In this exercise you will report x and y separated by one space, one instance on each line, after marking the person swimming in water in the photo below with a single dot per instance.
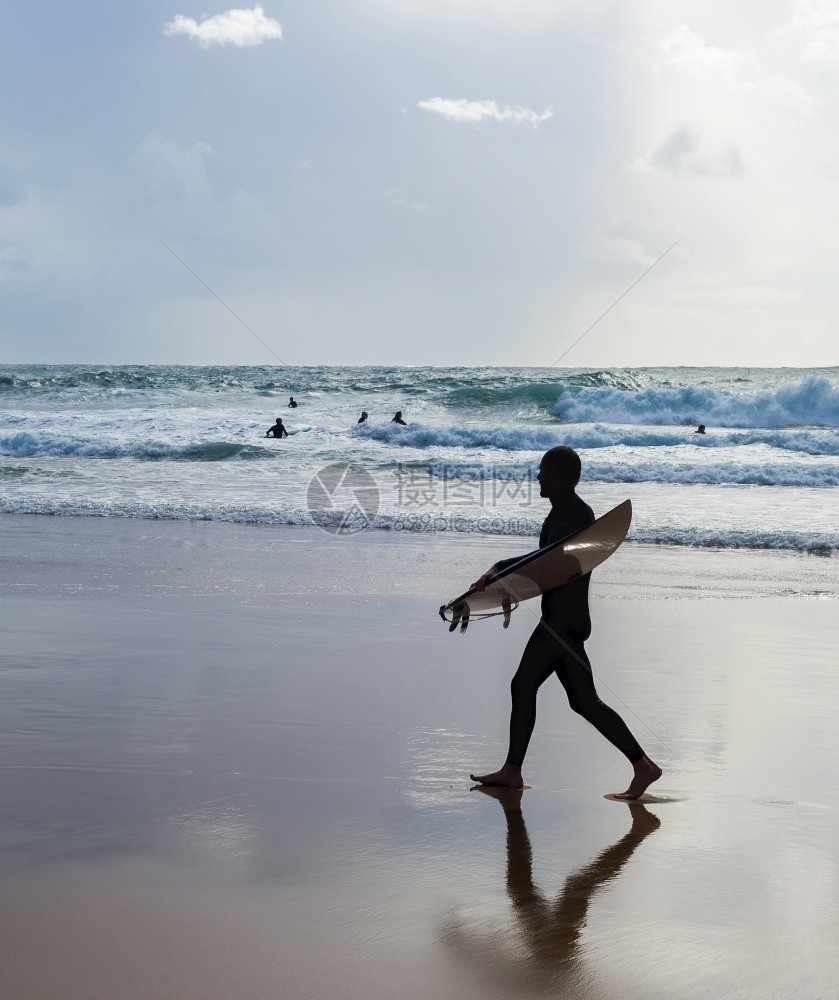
397 419
292 402
277 431
557 644
363 417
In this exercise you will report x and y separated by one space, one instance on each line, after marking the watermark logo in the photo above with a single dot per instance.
343 499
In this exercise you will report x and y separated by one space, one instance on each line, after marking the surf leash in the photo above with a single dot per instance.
461 614
623 295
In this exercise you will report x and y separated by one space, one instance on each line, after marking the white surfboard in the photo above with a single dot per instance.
542 570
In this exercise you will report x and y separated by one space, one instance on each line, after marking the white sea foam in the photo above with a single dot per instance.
190 443
812 401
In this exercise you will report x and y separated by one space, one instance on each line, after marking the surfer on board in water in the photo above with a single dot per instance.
278 430
292 402
397 418
362 418
558 641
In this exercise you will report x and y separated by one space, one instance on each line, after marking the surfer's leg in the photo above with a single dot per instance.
535 668
537 665
574 672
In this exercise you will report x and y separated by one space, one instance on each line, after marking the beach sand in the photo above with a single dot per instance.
234 764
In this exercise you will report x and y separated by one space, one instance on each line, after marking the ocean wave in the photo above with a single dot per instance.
24 444
337 523
732 471
451 388
507 437
524 388
813 401
635 468
420 435
737 539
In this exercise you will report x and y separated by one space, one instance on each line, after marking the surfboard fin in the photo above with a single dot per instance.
457 613
507 608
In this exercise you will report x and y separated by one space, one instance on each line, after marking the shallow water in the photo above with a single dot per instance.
214 789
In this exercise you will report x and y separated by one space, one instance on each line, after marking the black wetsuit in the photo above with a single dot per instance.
277 431
558 646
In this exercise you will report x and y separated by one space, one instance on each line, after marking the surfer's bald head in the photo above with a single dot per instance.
564 461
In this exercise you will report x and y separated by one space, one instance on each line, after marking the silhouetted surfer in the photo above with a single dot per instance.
363 417
397 419
292 402
558 642
700 429
277 431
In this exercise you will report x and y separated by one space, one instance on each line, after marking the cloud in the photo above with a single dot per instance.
816 22
401 201
13 260
475 111
615 249
749 296
240 27
684 50
172 169
681 152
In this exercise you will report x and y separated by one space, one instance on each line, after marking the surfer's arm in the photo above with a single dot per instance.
481 582
501 565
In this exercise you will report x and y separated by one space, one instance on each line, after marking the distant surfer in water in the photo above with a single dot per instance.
292 402
700 429
277 431
397 419
558 642
363 417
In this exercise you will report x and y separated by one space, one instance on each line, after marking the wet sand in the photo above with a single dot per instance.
234 763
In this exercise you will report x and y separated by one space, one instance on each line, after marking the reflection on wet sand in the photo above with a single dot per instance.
545 949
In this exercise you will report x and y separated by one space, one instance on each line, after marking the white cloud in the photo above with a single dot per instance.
816 22
748 296
462 110
173 168
240 27
685 51
782 91
683 48
681 152
401 201
615 249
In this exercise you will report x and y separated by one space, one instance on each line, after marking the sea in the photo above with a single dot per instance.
189 443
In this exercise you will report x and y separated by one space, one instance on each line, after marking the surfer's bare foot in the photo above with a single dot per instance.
508 777
646 772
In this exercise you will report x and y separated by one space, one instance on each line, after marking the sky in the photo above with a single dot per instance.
420 182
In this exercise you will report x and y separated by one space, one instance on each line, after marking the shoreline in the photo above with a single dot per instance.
381 562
